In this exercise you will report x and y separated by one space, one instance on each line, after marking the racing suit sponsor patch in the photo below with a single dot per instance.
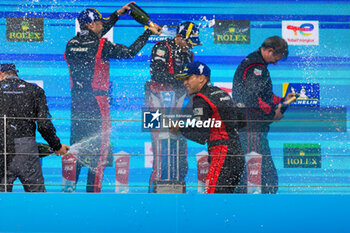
225 98
79 49
160 52
198 111
257 72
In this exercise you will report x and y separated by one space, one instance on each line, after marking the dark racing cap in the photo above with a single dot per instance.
197 68
90 15
190 32
7 67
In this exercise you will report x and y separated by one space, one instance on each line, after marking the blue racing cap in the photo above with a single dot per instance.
90 15
7 67
190 32
197 68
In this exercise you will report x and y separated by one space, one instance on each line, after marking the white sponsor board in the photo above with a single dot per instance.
300 32
122 163
226 86
39 83
203 168
148 155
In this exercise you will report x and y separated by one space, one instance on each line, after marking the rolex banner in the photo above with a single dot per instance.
302 155
24 29
232 32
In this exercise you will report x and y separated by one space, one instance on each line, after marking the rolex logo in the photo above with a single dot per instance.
232 32
231 28
24 29
25 25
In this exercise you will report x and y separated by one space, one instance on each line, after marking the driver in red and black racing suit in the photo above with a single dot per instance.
216 106
87 55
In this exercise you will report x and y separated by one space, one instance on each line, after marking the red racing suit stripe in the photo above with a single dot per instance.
215 133
220 150
100 79
101 82
215 167
105 140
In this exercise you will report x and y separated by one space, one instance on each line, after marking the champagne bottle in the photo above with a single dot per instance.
139 15
44 150
285 104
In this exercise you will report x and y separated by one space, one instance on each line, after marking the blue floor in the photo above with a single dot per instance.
178 213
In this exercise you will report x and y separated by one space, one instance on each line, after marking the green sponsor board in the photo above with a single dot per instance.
302 155
232 32
24 29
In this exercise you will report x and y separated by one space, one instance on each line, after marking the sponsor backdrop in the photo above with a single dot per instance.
35 33
24 29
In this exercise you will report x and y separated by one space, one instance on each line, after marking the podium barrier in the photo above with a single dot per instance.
303 167
173 213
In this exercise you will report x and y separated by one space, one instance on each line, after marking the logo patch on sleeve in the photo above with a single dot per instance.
198 111
160 52
257 72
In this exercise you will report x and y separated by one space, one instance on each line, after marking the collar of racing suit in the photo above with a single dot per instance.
205 87
10 77
202 90
260 57
176 48
88 33
173 45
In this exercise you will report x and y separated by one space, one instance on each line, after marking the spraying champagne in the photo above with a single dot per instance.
140 15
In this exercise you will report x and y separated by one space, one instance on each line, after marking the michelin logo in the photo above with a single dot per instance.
151 120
